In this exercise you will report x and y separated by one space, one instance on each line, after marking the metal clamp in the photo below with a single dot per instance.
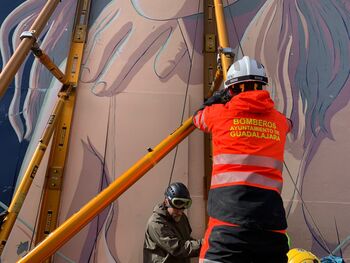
227 51
28 34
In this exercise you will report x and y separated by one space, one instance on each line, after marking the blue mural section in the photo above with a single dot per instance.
12 150
20 107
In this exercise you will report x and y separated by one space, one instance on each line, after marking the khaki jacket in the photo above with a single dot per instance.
167 241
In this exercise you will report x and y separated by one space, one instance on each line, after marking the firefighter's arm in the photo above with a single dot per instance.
219 97
199 119
201 115
173 244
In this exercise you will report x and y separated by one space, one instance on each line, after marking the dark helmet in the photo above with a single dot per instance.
178 196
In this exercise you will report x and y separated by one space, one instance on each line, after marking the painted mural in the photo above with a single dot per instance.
21 105
141 77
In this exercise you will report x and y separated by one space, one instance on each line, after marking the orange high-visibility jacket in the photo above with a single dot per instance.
248 137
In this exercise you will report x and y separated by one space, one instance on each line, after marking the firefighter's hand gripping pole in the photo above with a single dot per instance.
10 216
76 222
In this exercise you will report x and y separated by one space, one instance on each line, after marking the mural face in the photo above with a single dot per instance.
142 75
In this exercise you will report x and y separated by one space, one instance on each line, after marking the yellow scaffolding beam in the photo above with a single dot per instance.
223 36
50 205
29 175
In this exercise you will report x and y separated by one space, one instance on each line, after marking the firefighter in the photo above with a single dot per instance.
168 234
247 220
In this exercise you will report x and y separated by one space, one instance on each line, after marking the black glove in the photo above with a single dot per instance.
219 97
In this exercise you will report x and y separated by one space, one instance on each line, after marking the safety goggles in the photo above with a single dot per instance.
180 203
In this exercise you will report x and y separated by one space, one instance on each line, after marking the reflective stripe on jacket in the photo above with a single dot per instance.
167 241
248 137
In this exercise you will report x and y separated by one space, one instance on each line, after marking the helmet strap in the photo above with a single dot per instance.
236 89
249 86
242 87
258 86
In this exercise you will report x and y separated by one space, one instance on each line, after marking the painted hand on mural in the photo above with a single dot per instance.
123 39
127 34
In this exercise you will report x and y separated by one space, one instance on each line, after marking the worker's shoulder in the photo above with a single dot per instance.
280 114
215 109
218 106
158 216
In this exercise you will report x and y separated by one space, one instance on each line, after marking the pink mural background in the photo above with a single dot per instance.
142 76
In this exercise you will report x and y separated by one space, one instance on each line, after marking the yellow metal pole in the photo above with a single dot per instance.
49 64
222 33
9 71
52 187
76 222
28 177
215 85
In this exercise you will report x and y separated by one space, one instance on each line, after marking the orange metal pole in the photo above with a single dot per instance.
223 36
49 64
9 71
76 222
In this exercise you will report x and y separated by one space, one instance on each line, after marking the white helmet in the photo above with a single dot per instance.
245 69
